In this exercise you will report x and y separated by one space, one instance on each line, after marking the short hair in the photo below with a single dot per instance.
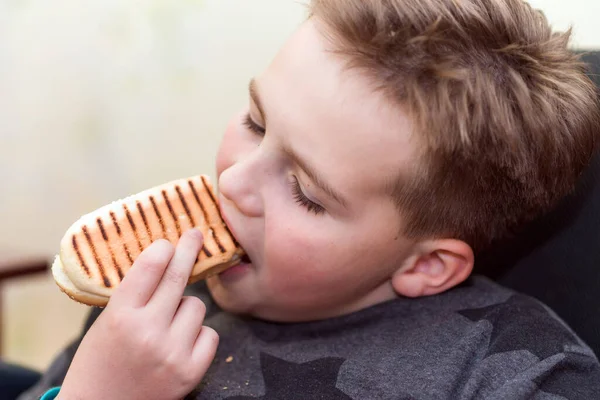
505 116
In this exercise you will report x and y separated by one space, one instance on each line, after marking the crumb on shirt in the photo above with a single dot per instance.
229 359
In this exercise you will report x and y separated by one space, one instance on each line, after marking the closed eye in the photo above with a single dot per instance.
253 126
304 201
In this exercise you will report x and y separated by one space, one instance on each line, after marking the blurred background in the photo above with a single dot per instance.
100 99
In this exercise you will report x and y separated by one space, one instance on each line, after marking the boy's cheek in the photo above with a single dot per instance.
302 255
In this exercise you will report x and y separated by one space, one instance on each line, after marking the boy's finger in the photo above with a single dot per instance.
188 321
205 349
141 280
170 289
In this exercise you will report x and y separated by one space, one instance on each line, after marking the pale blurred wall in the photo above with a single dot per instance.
582 15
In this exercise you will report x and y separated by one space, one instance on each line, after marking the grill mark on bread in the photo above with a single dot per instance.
105 279
217 240
189 214
185 205
119 271
160 219
116 224
235 242
133 228
110 250
170 207
208 189
195 193
143 214
80 257
216 237
114 220
204 214
101 226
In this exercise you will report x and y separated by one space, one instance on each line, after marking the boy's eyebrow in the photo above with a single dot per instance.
316 178
253 90
308 170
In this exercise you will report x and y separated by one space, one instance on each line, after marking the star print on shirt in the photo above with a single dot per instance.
570 376
576 376
509 320
311 380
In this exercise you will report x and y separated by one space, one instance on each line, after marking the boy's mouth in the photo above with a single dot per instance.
236 272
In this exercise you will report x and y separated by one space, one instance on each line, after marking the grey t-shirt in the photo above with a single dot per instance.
476 341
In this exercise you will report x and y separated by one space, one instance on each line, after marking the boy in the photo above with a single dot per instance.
387 143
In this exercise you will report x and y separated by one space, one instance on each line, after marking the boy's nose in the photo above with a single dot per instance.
242 188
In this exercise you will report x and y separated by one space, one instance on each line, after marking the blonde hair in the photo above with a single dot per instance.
505 114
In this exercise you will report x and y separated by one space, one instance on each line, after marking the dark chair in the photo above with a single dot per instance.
14 380
557 258
16 264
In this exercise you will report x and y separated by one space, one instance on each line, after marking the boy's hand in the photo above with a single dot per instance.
149 342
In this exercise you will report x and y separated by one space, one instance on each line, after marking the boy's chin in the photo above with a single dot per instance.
239 299
233 297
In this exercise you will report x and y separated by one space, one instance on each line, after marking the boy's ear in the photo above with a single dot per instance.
438 266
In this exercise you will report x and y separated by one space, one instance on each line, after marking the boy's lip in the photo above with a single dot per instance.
234 273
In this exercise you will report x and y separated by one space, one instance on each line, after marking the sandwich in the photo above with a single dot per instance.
98 249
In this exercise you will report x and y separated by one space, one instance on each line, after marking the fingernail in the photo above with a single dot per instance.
162 243
197 233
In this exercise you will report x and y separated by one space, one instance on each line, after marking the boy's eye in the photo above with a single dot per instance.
304 201
253 126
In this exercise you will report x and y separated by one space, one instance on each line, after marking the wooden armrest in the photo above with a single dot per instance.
17 263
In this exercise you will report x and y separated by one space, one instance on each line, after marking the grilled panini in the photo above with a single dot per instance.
98 250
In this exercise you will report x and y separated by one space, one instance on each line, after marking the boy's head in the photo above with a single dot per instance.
387 141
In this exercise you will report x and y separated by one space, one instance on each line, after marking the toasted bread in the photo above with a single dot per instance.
97 250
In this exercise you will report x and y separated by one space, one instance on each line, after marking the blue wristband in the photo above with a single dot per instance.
51 394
